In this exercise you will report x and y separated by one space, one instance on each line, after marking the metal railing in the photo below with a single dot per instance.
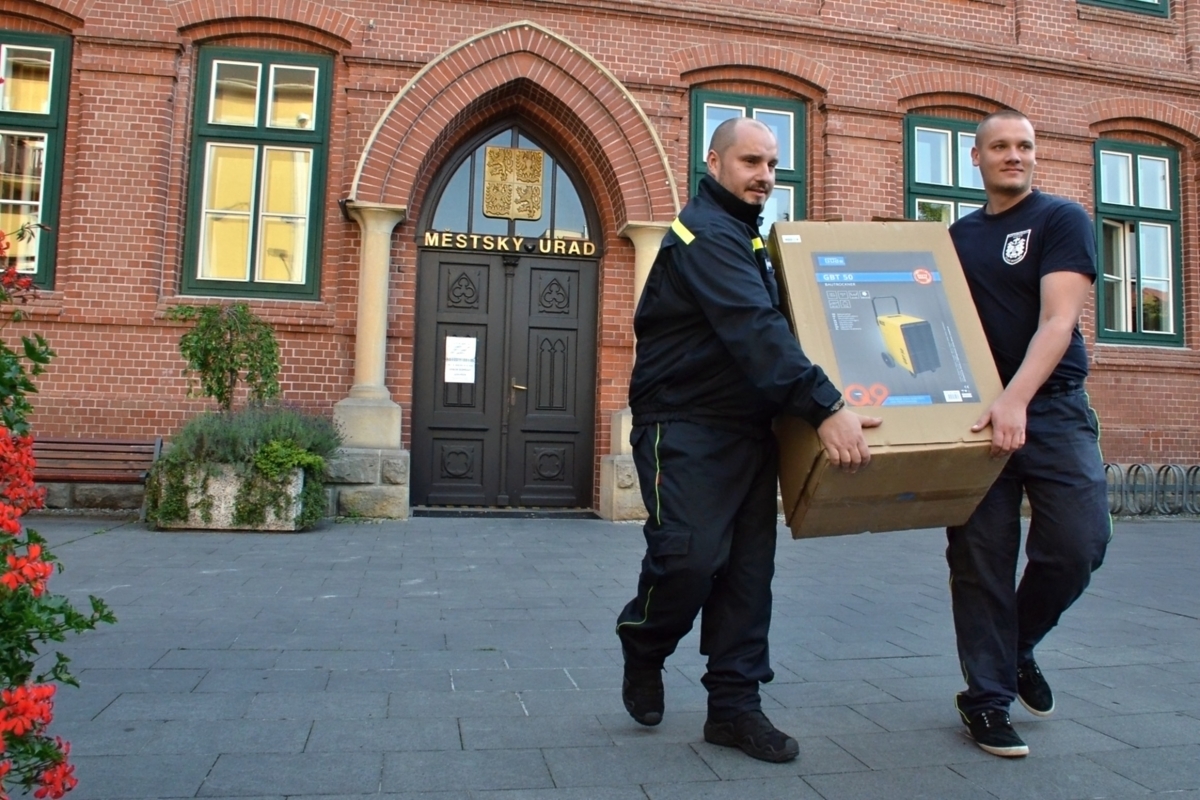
1141 489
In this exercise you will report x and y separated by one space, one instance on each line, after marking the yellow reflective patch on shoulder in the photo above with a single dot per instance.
757 242
686 236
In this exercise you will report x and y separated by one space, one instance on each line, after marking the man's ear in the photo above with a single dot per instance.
714 163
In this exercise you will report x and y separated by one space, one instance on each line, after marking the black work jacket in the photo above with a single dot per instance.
712 344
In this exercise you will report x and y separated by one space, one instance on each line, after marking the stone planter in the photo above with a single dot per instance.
223 487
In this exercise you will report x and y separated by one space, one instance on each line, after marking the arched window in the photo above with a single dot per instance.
553 209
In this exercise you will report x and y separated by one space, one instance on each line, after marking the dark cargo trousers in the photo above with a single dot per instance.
710 546
1061 471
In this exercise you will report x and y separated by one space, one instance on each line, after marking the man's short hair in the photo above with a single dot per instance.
1005 113
726 133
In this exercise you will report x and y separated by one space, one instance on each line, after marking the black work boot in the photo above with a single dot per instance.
642 691
754 735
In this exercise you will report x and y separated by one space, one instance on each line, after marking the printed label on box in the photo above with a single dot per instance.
893 331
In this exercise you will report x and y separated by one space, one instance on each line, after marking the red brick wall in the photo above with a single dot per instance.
1079 71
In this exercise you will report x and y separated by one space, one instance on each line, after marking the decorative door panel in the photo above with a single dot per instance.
504 380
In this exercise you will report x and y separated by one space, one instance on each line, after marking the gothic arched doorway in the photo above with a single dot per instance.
504 383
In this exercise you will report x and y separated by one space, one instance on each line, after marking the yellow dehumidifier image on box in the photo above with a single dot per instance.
907 340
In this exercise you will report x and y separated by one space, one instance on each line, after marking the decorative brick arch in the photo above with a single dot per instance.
909 88
1101 114
740 58
425 113
68 15
320 24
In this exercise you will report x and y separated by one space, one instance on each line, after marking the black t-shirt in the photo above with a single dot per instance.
1006 255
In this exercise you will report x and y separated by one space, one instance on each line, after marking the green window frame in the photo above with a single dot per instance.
257 186
940 182
1154 8
1139 244
786 117
33 116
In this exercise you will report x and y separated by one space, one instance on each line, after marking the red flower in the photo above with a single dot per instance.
60 778
5 766
28 570
26 708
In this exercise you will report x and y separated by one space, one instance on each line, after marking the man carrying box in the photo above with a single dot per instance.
1030 260
716 362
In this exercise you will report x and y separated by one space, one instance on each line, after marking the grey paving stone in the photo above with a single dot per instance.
455 704
516 680
896 750
181 706
1160 769
390 680
495 733
264 680
91 738
911 716
590 793
923 783
310 773
218 659
826 693
317 705
785 788
608 766
1061 737
117 777
384 735
843 670
142 680
1058 778
821 720
335 659
927 688
220 736
472 769
1149 730
72 705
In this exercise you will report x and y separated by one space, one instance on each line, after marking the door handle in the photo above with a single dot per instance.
519 387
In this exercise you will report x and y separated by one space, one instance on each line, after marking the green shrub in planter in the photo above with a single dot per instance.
264 446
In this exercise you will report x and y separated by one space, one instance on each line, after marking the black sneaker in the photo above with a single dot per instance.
1033 691
755 736
993 732
642 691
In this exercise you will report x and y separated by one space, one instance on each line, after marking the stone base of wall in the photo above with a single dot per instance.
94 496
370 483
620 494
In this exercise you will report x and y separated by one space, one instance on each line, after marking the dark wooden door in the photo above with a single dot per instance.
517 428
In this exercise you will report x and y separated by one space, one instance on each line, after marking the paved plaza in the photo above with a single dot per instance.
447 659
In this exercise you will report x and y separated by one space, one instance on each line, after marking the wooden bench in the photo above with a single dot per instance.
64 460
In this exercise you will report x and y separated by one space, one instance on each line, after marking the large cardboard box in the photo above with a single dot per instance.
885 309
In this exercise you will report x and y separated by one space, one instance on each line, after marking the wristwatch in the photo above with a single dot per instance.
837 406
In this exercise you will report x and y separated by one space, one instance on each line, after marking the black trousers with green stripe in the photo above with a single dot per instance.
710 546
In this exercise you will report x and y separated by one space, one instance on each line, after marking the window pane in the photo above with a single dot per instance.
1116 289
569 219
286 181
935 211
781 124
234 94
22 160
1116 184
933 156
26 84
293 98
282 249
451 214
1153 174
537 228
1154 251
968 173
21 254
229 190
780 207
967 208
1154 261
714 115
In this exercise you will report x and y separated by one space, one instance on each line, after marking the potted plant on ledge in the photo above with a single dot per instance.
260 467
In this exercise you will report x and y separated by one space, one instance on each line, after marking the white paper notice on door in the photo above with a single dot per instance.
460 359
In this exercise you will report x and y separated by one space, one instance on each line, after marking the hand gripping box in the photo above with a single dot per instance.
885 309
